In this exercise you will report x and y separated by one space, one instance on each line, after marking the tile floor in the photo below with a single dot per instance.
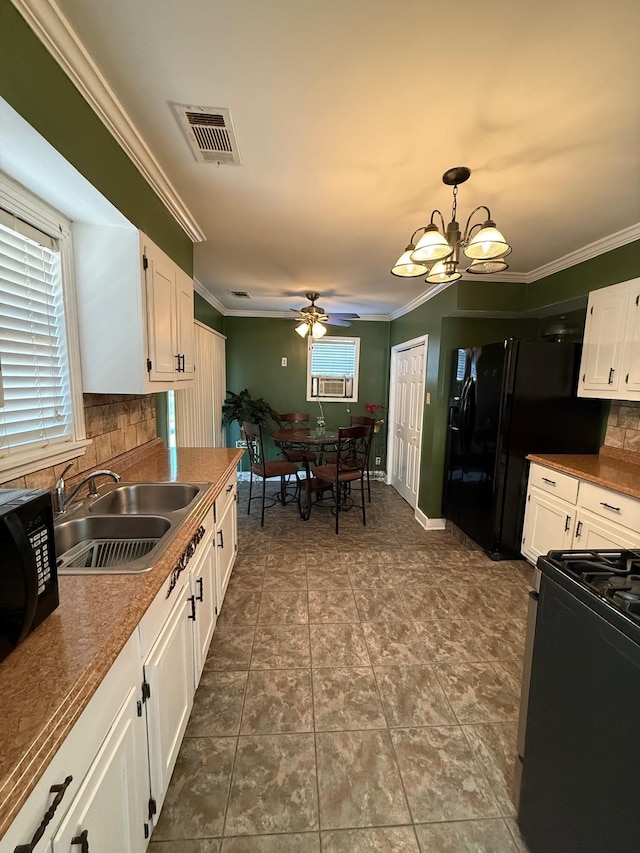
360 693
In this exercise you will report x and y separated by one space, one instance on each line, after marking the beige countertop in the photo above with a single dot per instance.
47 681
615 469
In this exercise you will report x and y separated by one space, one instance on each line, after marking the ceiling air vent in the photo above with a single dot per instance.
209 132
241 294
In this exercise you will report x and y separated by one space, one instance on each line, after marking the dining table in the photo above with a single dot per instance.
316 440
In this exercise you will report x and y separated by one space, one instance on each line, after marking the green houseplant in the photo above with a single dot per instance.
243 407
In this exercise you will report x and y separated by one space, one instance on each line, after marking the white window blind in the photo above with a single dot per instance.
37 407
333 358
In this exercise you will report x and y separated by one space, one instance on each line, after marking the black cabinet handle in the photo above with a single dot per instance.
228 489
82 840
192 615
201 593
551 482
608 506
578 529
611 372
59 791
567 523
220 539
178 364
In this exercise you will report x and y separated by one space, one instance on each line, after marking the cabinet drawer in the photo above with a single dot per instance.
554 483
613 506
227 495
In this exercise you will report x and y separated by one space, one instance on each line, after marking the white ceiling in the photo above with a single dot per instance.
347 113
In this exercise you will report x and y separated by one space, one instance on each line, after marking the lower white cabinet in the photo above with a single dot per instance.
587 516
203 598
226 532
107 812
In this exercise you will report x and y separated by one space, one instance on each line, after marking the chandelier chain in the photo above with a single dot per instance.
454 208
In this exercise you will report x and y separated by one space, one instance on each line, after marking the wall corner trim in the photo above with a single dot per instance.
56 34
429 523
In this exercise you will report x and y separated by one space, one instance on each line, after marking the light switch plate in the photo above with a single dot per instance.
283 361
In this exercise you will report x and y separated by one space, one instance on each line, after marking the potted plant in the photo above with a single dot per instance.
372 410
243 407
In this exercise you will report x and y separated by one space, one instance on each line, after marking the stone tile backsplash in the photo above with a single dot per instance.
116 423
623 427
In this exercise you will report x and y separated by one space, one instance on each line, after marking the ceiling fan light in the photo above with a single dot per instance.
405 267
431 247
302 329
318 329
443 273
487 244
480 267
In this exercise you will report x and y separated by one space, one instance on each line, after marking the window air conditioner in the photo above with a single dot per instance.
331 386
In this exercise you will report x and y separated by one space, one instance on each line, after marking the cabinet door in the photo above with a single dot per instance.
631 363
185 342
112 802
160 278
203 588
603 337
593 532
548 525
169 674
226 547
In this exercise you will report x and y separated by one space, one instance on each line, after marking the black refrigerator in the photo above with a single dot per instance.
507 400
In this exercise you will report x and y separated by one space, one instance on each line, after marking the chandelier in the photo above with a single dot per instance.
311 327
437 252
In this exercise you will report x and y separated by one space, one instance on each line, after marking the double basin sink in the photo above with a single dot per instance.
125 529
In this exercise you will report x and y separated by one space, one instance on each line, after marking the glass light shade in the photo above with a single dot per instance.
405 267
302 329
480 267
487 244
318 330
431 247
443 273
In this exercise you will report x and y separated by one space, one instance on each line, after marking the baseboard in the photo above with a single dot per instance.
429 523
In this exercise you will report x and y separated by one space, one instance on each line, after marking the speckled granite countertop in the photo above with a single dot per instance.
48 680
615 469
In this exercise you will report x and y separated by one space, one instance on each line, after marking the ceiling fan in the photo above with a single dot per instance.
313 318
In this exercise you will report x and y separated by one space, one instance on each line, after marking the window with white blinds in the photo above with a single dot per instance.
41 419
33 354
333 369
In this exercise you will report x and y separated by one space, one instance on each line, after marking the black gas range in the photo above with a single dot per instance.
611 579
585 666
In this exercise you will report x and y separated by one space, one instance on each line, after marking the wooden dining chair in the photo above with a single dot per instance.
349 466
260 468
297 420
364 420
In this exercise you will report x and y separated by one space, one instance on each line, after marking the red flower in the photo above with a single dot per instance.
373 408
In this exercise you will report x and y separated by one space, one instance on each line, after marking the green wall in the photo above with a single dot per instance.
207 314
33 83
256 346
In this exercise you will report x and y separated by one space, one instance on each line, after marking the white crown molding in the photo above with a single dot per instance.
419 300
56 34
209 297
592 250
288 315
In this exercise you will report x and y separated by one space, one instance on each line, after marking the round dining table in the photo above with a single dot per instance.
315 440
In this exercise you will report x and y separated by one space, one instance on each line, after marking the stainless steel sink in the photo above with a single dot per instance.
126 529
145 498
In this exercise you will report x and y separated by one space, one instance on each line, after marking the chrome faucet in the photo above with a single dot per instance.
63 500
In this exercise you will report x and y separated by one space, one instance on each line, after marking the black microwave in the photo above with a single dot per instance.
28 575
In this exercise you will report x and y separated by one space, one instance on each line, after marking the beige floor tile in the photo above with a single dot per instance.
390 839
217 706
477 693
480 836
334 605
412 696
280 647
394 642
338 645
278 701
298 842
346 698
282 608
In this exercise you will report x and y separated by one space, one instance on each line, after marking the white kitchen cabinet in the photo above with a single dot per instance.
169 686
226 535
610 365
565 513
548 524
202 579
135 313
100 775
108 811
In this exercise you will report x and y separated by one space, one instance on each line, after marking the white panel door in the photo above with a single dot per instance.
603 337
199 408
185 342
631 364
593 532
548 525
407 426
161 319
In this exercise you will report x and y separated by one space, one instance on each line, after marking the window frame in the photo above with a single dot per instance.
311 342
17 200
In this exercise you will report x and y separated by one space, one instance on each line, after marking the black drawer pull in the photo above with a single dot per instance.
200 581
611 372
229 488
608 506
192 615
82 840
551 482
59 791
578 529
567 523
220 539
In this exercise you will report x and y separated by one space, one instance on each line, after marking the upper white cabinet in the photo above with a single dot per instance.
135 313
610 366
